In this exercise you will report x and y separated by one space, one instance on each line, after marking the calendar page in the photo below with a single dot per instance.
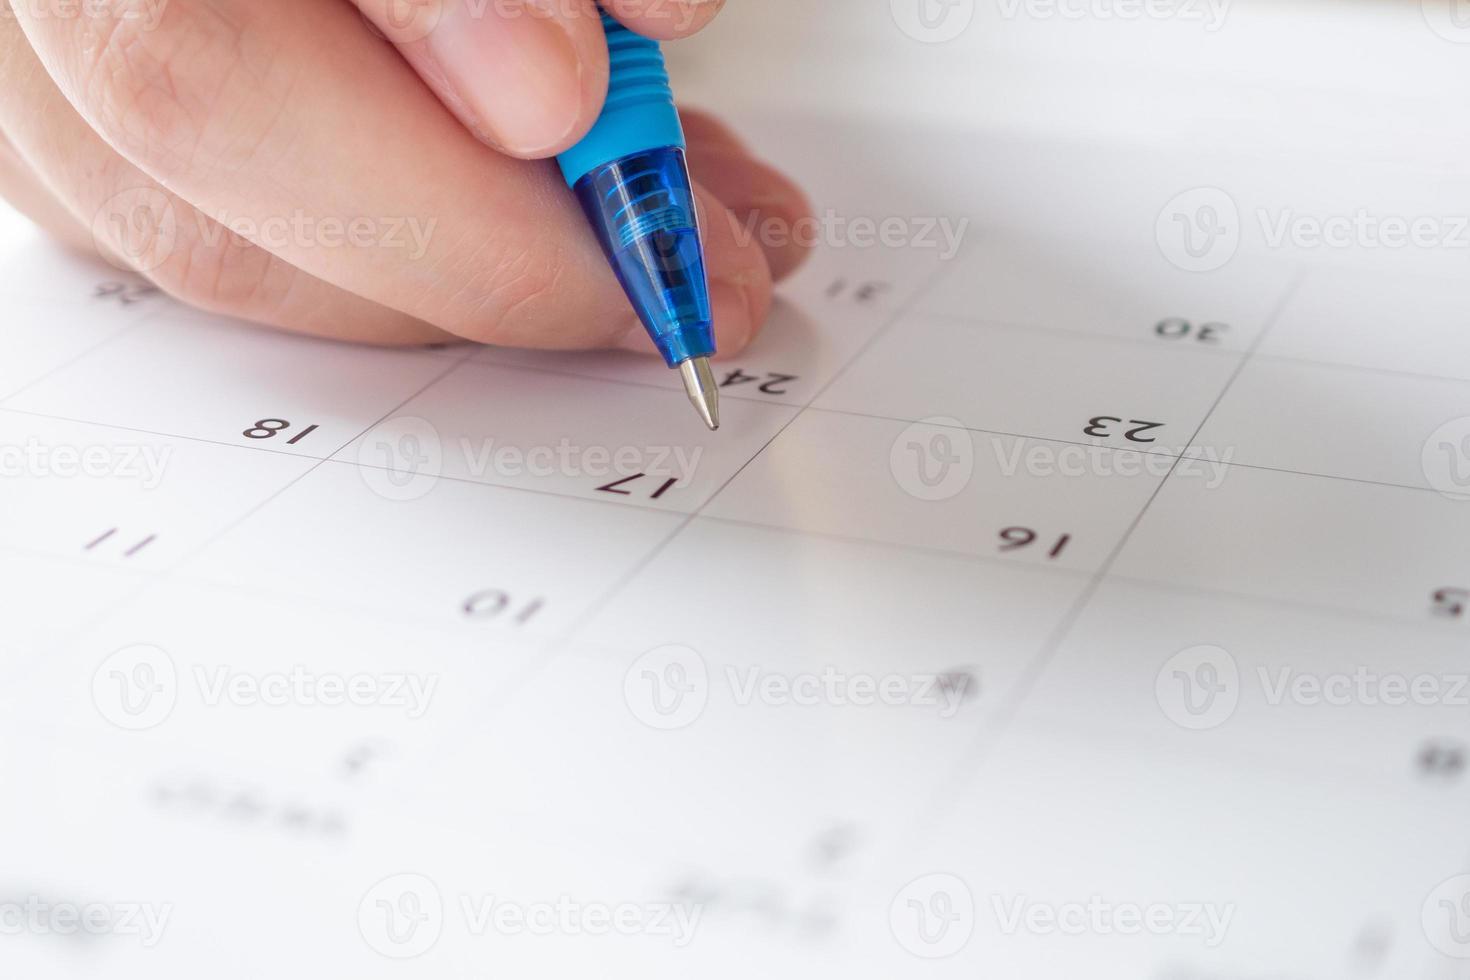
1077 586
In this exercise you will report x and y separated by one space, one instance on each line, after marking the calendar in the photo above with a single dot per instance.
1077 586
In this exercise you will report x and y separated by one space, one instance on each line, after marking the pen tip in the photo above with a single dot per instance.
699 383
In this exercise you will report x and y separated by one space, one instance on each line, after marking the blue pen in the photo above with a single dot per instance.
630 175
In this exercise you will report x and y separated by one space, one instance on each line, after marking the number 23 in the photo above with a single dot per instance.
1102 427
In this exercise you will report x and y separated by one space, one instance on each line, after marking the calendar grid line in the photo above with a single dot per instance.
1038 568
1418 624
557 645
1238 758
1150 452
162 435
468 356
153 578
261 504
1071 332
932 279
1364 368
486 484
1000 433
141 320
375 611
1252 350
627 382
147 578
1031 673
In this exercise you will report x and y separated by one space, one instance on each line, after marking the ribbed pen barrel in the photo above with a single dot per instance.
642 208
637 75
632 181
639 113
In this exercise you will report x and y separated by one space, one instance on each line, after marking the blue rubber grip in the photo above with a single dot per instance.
639 114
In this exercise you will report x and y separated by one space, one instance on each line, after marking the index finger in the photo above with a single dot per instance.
664 20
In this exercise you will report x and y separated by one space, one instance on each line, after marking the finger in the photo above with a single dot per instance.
23 189
237 107
665 20
117 210
740 298
709 130
526 76
765 205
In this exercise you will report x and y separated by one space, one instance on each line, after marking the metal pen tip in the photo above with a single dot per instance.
699 382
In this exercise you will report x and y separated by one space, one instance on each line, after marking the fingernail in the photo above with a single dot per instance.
513 67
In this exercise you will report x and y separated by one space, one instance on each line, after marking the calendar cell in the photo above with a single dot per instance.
1026 382
807 602
1306 539
1246 682
934 485
124 498
1371 320
491 424
733 773
1362 425
820 319
289 689
1163 874
1126 294
486 558
48 600
222 381
40 338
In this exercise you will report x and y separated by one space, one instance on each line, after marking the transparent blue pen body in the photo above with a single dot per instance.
642 208
630 175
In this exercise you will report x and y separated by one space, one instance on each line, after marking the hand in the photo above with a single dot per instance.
280 161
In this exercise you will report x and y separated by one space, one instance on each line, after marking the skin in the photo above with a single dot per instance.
183 140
